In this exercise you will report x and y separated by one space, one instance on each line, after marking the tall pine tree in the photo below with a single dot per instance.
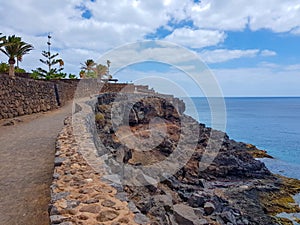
54 65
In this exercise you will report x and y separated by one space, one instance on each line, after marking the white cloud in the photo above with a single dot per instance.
196 38
267 53
114 23
296 31
223 55
276 15
222 15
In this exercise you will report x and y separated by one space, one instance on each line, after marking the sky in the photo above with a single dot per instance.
251 48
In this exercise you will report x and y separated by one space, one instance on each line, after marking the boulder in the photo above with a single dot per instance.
196 200
209 208
185 215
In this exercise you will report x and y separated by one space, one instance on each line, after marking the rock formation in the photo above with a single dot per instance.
159 155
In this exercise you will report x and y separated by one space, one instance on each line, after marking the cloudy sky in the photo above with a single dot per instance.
251 47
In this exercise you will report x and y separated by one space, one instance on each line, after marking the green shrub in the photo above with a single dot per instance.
99 117
19 70
72 76
4 67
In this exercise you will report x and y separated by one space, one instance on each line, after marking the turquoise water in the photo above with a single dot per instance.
272 124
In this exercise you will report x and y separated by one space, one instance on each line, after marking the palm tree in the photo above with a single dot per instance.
2 38
101 70
89 67
14 48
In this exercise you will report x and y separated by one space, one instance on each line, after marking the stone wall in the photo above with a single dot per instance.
78 194
22 96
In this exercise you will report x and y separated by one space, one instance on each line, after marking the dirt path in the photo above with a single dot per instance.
26 167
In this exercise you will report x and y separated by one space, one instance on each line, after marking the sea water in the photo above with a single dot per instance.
270 123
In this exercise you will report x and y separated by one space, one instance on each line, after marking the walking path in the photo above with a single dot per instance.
26 167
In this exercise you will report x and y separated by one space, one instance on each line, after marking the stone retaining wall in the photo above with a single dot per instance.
78 196
22 96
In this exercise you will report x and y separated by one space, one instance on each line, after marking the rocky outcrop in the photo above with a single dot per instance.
147 137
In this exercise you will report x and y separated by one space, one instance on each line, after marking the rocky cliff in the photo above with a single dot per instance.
176 171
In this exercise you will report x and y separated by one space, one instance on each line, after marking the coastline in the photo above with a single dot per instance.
289 194
283 168
269 187
213 197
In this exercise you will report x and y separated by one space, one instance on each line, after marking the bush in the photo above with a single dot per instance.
72 76
19 70
99 117
4 68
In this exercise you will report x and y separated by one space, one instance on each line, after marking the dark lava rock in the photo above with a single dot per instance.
226 192
209 208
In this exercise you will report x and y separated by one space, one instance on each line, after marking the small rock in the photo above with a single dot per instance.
202 183
56 176
90 208
83 217
140 218
196 200
57 219
108 203
203 222
228 216
58 196
209 208
62 204
107 215
72 204
53 210
185 215
132 207
165 200
58 161
91 201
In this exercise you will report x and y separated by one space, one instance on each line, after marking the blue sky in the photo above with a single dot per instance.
251 47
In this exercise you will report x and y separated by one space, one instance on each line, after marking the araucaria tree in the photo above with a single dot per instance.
54 65
14 48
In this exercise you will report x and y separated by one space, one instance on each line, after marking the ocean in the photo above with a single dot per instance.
270 123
